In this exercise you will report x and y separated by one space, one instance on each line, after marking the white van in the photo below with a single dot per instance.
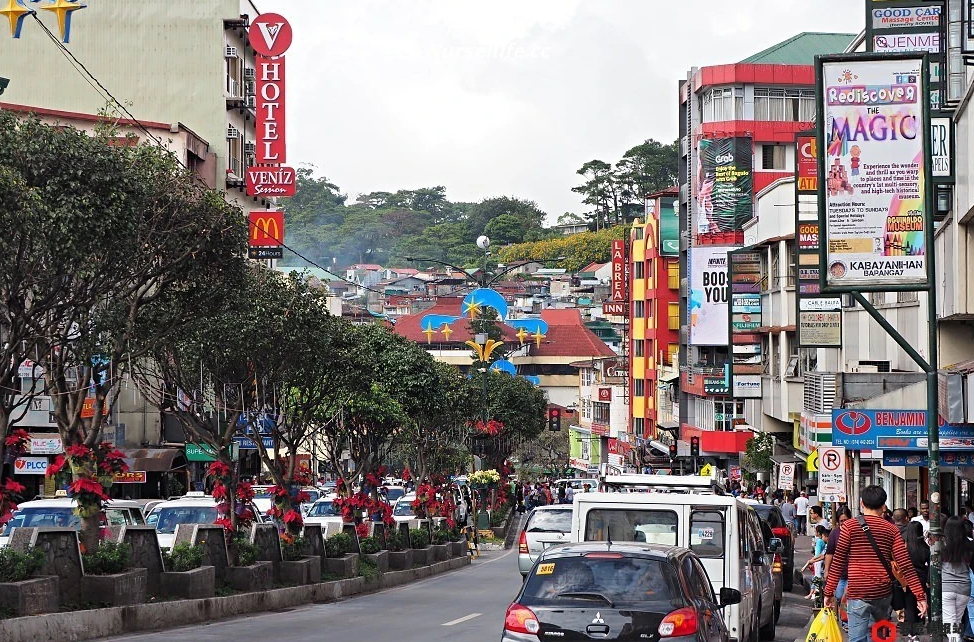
723 531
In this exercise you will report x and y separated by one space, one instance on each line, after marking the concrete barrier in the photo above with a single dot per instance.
74 626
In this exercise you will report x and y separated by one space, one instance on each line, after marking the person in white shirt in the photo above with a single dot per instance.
801 511
924 517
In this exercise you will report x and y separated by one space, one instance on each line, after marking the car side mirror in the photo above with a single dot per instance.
774 545
729 596
757 558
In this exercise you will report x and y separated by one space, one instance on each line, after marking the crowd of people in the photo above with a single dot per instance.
527 496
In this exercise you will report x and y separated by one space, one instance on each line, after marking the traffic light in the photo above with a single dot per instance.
672 452
694 446
554 419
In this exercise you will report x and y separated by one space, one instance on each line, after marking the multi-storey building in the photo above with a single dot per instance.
737 128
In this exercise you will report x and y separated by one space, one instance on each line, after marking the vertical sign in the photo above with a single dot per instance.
873 213
724 184
266 234
786 476
806 175
831 474
270 111
619 281
747 363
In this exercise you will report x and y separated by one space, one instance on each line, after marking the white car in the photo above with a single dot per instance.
392 493
192 508
403 510
59 511
263 499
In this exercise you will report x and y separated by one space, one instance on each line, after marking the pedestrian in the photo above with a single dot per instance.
561 493
801 511
817 562
569 495
900 521
920 556
969 511
956 579
911 512
815 518
788 511
870 588
924 517
841 515
519 497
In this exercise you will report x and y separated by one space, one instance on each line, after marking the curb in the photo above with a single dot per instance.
75 626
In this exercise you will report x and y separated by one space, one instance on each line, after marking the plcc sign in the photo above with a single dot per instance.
266 234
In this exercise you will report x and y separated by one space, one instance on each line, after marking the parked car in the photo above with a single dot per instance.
393 493
773 545
59 511
263 499
545 526
324 512
192 508
618 591
784 531
403 510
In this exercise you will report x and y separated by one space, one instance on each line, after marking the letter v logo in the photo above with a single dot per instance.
270 35
270 32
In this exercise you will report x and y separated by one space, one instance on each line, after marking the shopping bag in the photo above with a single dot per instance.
824 627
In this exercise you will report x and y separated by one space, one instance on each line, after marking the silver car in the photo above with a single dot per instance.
546 526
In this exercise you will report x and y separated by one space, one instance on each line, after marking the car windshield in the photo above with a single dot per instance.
403 509
323 509
632 525
392 494
47 516
550 521
166 519
313 496
579 581
262 493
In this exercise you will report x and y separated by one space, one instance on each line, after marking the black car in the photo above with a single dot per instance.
618 591
784 531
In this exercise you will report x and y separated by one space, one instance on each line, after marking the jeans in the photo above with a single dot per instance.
800 524
954 605
863 614
840 589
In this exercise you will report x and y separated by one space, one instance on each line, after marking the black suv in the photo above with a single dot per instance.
784 531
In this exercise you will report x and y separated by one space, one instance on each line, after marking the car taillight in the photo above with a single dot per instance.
521 619
522 544
680 622
776 567
781 532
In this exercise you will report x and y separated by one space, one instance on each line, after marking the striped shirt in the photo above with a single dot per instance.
856 560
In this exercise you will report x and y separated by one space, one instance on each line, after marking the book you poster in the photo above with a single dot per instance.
875 218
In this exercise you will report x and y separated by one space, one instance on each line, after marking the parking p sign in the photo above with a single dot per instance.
30 465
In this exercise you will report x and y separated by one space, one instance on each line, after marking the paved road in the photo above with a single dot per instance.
463 606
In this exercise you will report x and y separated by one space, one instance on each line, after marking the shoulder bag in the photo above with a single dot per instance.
890 565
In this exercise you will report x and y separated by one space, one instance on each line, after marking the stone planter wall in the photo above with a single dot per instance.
120 589
459 548
195 584
401 560
500 532
300 572
62 557
346 566
259 576
438 553
380 559
422 556
32 596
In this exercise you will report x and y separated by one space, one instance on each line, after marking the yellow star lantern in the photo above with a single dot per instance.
15 12
63 10
522 334
447 331
472 308
538 336
429 332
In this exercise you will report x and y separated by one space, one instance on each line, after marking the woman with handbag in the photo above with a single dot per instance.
956 579
920 556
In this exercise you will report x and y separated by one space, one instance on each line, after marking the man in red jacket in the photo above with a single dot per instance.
870 586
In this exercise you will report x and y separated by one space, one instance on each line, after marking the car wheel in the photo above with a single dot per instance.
767 632
753 635
777 611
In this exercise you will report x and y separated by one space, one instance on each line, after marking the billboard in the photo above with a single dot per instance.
895 430
873 212
806 174
897 17
708 295
669 226
266 234
724 183
620 291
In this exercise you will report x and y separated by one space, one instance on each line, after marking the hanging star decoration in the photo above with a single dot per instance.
472 308
447 331
16 11
538 336
522 334
64 9
429 332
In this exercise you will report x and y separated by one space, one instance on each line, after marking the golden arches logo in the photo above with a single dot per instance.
265 228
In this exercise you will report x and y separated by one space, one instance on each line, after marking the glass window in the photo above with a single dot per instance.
169 518
632 525
403 508
550 521
323 509
707 533
639 310
639 388
640 270
393 493
37 517
622 580
673 274
673 313
703 582
639 347
699 590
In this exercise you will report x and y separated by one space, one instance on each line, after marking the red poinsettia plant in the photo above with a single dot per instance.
9 492
93 472
17 441
434 500
222 478
491 427
356 507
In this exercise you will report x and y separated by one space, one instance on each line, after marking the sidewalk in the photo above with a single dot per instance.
795 609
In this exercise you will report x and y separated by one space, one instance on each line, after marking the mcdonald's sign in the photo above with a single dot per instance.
266 234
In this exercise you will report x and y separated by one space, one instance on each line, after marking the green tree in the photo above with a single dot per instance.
644 169
546 453
516 403
600 192
505 229
481 214
758 451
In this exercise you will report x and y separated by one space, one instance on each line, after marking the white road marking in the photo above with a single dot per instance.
462 619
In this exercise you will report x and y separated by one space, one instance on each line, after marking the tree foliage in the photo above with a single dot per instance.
578 250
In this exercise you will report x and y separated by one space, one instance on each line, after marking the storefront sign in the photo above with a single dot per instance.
820 329
30 466
715 385
271 148
200 452
270 35
896 17
669 227
46 446
906 458
806 173
130 477
908 42
941 146
600 429
873 208
605 394
747 386
894 429
709 295
246 443
615 309
270 181
620 290
724 202
266 234
808 236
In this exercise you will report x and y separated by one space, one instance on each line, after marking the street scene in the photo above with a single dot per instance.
550 319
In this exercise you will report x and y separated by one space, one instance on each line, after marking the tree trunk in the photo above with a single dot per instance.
89 533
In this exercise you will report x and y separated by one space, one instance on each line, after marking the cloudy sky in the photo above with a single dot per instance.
508 97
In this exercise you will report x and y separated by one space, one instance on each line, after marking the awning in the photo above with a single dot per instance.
669 376
660 446
155 460
668 425
790 458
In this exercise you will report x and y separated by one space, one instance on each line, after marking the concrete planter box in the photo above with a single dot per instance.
380 559
422 556
191 585
438 553
500 532
460 548
120 589
401 560
259 576
346 566
31 596
306 570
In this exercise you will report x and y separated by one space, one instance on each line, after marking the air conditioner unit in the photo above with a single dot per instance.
231 52
250 148
232 132
861 368
250 73
252 102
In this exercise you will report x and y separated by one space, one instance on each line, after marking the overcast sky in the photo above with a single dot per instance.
507 97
